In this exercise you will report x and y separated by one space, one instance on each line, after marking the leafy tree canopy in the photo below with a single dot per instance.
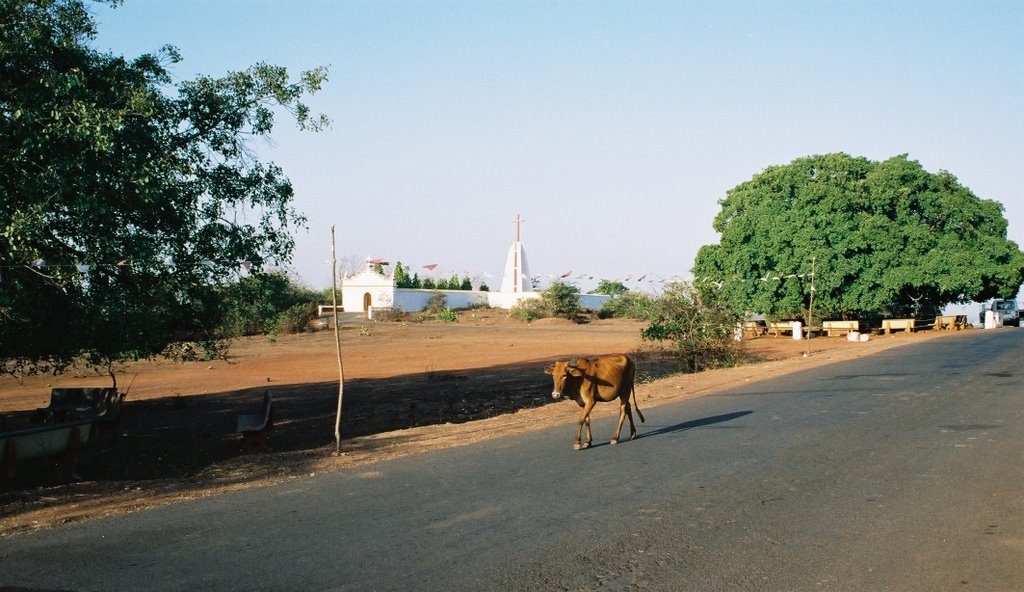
403 279
610 288
884 237
127 198
255 304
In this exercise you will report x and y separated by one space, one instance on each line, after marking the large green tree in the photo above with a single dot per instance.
126 198
880 237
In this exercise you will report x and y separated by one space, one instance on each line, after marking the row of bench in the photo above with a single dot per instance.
75 416
72 419
834 328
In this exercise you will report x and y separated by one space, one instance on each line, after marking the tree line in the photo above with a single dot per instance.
404 280
135 215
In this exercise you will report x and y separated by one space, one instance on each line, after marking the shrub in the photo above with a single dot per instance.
437 303
297 318
561 299
255 304
447 315
528 310
631 305
701 332
610 288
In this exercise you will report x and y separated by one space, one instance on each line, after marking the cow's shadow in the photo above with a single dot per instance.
693 423
682 427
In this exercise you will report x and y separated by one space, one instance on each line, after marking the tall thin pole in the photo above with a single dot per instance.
337 339
515 260
810 311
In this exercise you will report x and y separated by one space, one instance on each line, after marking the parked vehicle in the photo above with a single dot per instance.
1007 311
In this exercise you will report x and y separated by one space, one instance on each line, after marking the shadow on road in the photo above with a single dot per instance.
694 423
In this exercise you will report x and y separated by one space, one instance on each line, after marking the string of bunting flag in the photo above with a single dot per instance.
637 279
40 264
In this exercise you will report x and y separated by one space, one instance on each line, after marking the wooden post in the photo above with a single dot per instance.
337 339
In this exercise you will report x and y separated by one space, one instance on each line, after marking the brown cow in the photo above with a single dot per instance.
589 380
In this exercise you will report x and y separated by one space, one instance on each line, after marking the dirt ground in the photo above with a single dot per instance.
408 388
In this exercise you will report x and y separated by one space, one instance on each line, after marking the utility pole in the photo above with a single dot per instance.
337 339
810 310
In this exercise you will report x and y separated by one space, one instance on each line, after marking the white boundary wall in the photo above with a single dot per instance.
410 300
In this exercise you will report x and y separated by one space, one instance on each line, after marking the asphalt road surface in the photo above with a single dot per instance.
899 471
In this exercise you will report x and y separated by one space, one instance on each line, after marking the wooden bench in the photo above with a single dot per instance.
255 428
840 327
754 328
57 440
950 323
890 325
777 328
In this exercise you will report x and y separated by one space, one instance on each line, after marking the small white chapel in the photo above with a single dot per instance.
368 290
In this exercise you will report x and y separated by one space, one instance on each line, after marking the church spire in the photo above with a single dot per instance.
516 271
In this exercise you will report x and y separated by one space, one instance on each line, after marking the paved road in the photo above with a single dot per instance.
901 471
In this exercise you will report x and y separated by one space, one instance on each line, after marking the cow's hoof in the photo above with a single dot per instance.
615 441
578 446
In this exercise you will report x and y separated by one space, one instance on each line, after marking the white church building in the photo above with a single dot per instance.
369 290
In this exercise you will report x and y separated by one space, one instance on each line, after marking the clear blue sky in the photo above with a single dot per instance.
613 128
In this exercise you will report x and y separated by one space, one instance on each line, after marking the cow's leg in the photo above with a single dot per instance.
622 417
584 420
632 426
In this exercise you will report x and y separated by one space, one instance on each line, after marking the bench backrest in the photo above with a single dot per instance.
268 402
96 401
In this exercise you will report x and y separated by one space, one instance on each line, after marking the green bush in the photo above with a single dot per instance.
700 330
447 315
561 299
298 318
255 305
437 303
630 305
528 310
610 288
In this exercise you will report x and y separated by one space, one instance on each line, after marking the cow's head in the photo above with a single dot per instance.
562 372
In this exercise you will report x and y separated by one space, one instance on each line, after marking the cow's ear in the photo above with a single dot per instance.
549 369
575 371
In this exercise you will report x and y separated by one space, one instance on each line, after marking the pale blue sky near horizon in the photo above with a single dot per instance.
613 128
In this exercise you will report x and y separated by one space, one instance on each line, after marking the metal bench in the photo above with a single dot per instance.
255 428
57 440
77 403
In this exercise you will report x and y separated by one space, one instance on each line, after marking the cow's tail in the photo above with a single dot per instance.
635 406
